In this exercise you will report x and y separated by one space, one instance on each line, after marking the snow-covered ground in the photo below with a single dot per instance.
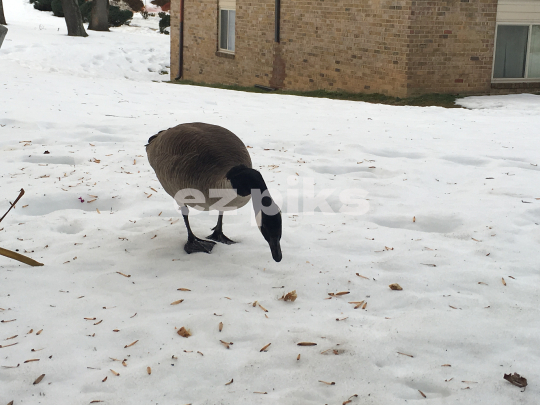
452 209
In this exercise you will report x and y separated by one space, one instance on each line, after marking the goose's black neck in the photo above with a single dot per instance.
245 179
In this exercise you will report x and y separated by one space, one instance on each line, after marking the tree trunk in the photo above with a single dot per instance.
99 20
2 17
73 17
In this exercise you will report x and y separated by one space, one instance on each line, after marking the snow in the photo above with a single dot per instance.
468 177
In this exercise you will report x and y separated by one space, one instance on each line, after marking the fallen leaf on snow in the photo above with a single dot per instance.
38 380
290 296
516 379
184 332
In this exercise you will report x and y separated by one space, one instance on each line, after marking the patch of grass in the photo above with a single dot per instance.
426 100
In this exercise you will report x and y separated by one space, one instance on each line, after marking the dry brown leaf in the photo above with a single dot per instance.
348 401
131 344
395 286
38 380
13 344
184 332
265 347
327 383
290 296
358 305
516 379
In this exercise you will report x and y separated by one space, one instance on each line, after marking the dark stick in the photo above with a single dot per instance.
13 205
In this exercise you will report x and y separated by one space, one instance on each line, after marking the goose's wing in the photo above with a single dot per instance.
195 156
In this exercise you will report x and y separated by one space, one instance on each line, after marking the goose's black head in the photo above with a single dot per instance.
248 181
269 223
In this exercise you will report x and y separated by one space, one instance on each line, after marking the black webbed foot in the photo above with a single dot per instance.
199 245
218 236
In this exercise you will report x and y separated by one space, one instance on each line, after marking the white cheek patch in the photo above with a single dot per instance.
258 218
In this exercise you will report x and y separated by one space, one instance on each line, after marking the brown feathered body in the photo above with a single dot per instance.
198 156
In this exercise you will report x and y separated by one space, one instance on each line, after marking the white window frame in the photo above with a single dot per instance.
226 5
517 79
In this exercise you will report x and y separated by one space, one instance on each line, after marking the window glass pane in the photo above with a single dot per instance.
232 18
223 23
534 55
510 51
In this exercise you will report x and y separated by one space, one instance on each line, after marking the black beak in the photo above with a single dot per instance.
275 248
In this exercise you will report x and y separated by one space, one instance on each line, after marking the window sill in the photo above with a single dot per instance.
226 55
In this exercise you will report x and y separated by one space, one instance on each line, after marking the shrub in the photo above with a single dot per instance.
42 5
57 9
117 17
164 23
135 5
86 11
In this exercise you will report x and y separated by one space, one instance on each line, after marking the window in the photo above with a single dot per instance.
517 53
227 18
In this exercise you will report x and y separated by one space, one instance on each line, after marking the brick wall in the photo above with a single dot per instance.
451 46
394 47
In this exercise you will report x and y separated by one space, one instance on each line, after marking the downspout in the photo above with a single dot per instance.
181 43
278 20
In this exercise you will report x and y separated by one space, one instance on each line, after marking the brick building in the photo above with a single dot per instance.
395 47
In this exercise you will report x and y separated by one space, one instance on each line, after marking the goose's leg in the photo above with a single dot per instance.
195 244
218 232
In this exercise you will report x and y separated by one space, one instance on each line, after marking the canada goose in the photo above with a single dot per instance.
214 162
